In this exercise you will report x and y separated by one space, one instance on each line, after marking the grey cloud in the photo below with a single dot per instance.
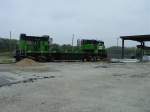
101 19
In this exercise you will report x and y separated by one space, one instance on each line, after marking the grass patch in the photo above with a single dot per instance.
6 57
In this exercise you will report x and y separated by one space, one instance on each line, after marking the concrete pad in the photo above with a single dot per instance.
78 87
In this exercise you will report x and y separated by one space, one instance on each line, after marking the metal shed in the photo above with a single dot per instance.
139 38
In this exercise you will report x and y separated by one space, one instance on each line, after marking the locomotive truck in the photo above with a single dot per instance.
39 49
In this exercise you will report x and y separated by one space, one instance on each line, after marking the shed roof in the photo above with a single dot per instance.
139 38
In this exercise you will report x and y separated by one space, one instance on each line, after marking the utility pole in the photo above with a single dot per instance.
10 42
72 41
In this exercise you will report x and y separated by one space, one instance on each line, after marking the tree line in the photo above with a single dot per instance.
7 44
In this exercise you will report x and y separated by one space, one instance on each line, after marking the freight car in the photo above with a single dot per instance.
39 49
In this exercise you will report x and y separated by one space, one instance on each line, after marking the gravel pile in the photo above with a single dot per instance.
27 62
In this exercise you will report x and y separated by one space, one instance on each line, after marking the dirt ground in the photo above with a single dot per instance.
75 87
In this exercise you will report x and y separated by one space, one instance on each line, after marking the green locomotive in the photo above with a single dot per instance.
38 48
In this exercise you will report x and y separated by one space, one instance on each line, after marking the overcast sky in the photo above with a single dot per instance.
93 19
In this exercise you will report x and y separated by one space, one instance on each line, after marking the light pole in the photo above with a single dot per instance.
118 42
118 46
